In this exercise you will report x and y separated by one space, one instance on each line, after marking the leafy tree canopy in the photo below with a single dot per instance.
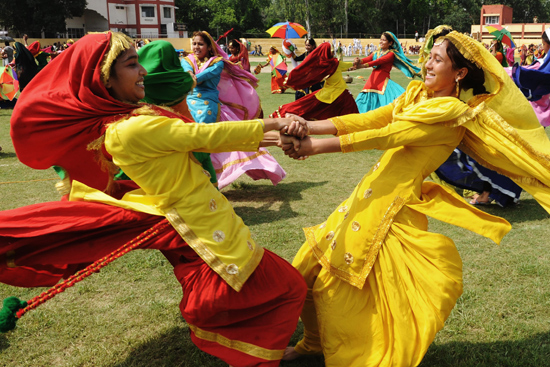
36 16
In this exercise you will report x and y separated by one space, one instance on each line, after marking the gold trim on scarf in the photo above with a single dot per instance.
235 281
249 158
243 347
237 106
118 43
357 280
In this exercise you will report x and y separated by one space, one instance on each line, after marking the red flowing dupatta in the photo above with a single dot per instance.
318 65
63 109
66 107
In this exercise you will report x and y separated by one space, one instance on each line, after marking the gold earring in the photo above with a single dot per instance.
457 88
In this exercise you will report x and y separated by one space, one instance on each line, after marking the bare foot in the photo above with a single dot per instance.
483 198
290 354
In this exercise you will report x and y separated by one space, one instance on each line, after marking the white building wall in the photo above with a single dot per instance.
98 5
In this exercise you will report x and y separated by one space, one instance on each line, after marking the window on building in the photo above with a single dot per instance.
492 19
119 7
75 32
167 12
148 11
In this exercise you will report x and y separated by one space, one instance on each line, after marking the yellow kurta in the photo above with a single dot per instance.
334 84
380 285
155 151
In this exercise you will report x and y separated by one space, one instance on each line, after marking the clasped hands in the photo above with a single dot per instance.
294 138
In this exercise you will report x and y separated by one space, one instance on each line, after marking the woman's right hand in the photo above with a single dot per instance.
296 148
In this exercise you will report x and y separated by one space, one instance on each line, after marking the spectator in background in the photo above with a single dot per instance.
7 53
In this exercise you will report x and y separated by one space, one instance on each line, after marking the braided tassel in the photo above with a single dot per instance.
14 308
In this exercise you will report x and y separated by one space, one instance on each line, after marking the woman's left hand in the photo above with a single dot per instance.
299 127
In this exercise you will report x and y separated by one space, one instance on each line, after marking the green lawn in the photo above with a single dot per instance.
127 315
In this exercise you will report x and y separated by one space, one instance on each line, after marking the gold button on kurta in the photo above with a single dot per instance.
199 112
206 173
342 209
199 95
213 205
355 226
206 103
232 269
209 112
193 102
333 245
375 166
330 235
250 245
368 193
348 258
218 236
323 225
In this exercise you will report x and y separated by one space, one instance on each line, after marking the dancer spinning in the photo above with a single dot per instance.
226 92
241 302
334 99
481 185
310 45
239 54
380 286
380 90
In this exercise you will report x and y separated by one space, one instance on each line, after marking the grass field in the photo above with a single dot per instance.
127 315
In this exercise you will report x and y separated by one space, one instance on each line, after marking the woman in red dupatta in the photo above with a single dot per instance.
53 123
334 99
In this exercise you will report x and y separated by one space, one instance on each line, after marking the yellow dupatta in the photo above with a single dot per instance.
503 132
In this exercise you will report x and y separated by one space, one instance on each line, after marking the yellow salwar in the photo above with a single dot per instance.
380 286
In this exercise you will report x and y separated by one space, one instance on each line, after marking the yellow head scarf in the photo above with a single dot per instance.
503 132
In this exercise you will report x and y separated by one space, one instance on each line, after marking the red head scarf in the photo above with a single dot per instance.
63 109
34 48
318 65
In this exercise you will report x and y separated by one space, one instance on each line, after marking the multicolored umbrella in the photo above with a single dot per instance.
501 34
9 85
287 30
278 66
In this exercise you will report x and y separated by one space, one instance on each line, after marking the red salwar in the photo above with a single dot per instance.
277 85
310 108
42 243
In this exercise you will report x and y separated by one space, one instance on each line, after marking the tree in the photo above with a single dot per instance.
36 16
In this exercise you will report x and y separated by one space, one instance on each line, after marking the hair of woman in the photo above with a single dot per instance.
475 78
206 40
389 38
545 38
235 44
312 42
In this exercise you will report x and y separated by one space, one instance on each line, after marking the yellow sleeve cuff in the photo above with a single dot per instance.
340 126
346 144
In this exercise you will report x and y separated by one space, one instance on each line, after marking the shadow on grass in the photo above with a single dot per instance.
531 352
172 348
7 155
283 193
526 211
4 343
175 348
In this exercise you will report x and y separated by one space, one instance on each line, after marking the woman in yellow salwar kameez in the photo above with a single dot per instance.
380 286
